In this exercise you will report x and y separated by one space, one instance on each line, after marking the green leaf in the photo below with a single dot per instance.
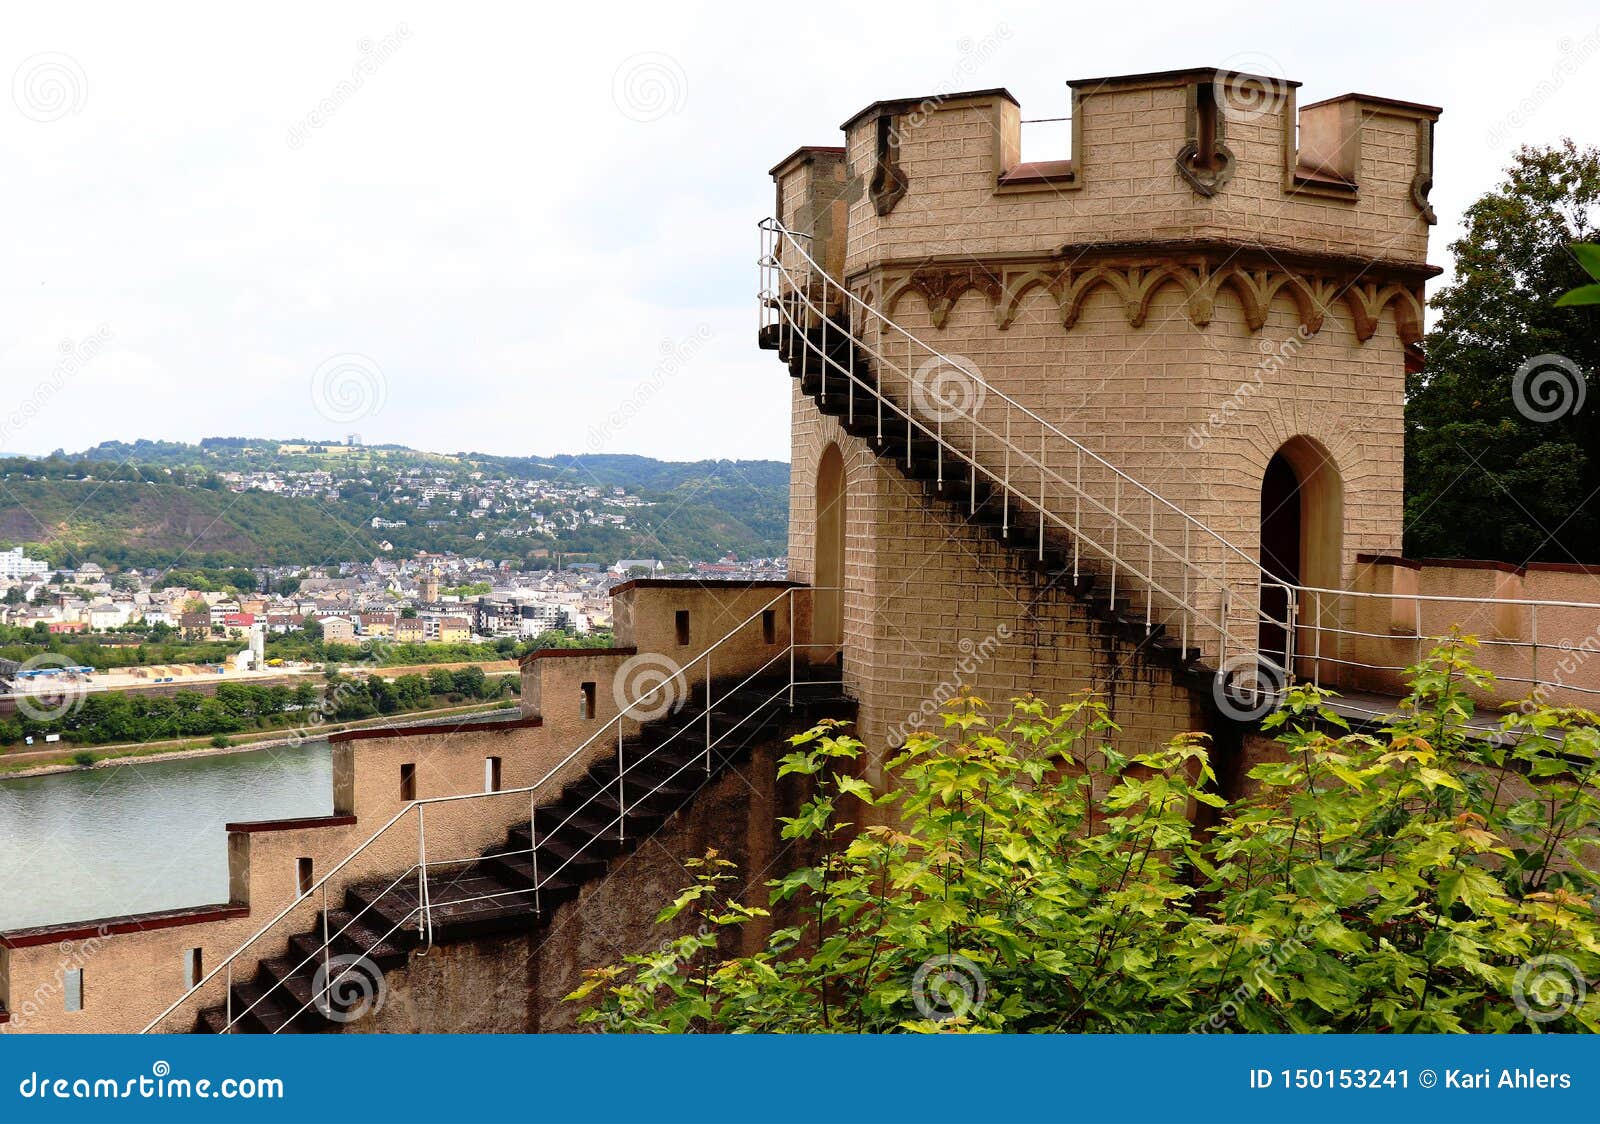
1588 255
856 787
1582 295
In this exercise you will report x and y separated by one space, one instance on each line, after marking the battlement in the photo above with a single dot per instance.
1198 155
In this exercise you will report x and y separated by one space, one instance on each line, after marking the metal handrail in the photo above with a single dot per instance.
225 967
1196 579
803 298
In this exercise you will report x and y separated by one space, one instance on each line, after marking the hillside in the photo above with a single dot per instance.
146 524
157 503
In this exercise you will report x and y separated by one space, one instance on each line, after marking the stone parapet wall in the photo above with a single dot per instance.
133 967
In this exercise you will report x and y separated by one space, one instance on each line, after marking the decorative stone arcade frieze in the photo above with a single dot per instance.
1319 285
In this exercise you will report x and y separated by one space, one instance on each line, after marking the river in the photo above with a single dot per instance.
139 837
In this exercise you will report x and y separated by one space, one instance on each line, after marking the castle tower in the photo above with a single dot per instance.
1187 337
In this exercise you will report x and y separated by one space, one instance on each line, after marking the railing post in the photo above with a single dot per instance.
1116 534
1417 604
1005 489
533 844
227 1026
1293 616
1077 515
1150 575
824 353
1533 629
850 342
325 939
622 793
708 711
423 920
1183 642
1041 493
1227 609
791 648
1316 634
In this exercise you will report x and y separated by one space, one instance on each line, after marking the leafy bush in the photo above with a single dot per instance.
1035 879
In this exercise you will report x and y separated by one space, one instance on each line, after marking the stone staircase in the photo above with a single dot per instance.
980 502
578 837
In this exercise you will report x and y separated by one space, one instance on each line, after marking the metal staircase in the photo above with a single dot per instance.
1157 575
1149 569
314 964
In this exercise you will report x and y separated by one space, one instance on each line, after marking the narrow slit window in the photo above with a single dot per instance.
1205 106
302 875
586 701
769 626
193 967
681 620
491 774
72 989
408 781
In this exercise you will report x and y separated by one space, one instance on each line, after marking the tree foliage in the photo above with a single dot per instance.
1035 879
1483 478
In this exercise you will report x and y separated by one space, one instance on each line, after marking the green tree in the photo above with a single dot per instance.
1485 478
1032 878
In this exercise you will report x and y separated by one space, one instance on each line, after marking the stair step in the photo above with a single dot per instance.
494 893
571 866
292 977
213 1020
258 1010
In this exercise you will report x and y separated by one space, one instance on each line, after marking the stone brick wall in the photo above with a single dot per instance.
1183 331
133 966
934 605
518 984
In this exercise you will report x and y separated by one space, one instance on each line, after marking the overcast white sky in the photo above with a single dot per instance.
531 228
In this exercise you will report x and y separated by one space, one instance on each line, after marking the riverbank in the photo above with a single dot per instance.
60 759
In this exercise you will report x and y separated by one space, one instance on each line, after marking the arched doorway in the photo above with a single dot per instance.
828 622
1302 529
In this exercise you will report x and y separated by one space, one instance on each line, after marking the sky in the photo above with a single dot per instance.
531 229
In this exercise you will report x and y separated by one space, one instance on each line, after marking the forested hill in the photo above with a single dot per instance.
234 501
144 524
